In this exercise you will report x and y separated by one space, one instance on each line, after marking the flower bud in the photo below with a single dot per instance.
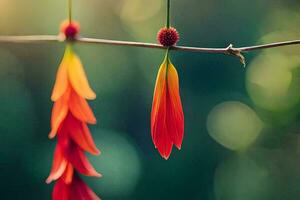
70 29
167 36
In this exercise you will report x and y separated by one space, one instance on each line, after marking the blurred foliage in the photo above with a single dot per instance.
253 112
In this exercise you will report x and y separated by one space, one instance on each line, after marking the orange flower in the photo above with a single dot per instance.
167 119
70 116
70 91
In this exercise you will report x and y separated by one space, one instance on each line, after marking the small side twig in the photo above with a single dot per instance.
236 52
230 50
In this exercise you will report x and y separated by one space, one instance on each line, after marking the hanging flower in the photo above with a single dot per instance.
167 119
70 116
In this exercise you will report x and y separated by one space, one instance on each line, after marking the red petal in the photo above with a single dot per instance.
174 116
77 190
81 135
80 191
75 155
159 131
59 165
61 191
81 109
160 134
81 163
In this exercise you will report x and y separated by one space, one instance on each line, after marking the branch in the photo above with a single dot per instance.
230 50
31 39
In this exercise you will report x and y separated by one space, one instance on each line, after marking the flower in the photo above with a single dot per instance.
70 115
167 36
70 91
70 29
167 119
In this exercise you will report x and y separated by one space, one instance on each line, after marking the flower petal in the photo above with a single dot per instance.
68 174
77 190
78 79
159 94
81 109
59 113
159 131
61 83
174 116
81 163
75 154
58 166
80 191
80 133
61 191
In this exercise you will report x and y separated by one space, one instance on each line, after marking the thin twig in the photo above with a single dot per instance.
268 46
230 50
31 39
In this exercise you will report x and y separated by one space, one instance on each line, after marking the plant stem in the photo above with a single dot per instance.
70 10
168 14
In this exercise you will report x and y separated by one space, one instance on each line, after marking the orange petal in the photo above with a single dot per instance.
58 166
79 132
59 113
174 115
68 174
78 79
81 109
61 82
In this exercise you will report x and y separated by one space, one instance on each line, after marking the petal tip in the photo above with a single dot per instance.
52 135
53 98
98 175
91 96
166 157
49 180
96 152
178 147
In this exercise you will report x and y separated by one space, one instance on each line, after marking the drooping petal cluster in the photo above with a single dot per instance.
70 116
167 119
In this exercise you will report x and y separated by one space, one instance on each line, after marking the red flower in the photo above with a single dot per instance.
167 36
70 29
167 119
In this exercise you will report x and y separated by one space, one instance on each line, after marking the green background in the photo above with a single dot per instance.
245 149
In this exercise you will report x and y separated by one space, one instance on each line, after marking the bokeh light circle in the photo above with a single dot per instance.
134 10
273 81
119 163
234 125
243 178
